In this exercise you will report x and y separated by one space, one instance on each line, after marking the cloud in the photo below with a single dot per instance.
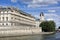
13 1
50 19
51 10
45 1
51 14
36 16
36 3
54 17
39 3
57 0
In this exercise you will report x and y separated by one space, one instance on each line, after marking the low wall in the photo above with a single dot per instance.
18 31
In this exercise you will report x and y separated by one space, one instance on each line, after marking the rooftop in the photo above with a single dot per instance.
16 9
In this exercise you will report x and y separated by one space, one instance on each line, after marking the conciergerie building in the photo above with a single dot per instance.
10 16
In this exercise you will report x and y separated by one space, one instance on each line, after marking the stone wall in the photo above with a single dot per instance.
10 31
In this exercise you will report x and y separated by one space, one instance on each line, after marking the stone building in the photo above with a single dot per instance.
42 18
38 21
10 16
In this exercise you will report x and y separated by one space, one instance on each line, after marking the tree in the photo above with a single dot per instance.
52 25
59 27
48 26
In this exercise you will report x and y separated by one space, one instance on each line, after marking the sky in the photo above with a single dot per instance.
50 8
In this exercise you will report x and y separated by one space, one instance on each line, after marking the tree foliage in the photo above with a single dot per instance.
59 27
48 26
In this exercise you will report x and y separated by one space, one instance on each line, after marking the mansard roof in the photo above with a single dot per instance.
15 9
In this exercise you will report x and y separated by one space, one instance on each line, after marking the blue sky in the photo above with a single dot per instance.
50 8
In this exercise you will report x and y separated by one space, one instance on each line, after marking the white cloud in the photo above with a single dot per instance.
51 15
45 1
51 10
50 19
36 16
39 3
54 17
14 1
35 5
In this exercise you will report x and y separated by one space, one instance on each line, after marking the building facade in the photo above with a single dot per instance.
37 22
42 18
10 16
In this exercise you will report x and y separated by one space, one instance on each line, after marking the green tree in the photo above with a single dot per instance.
48 26
59 27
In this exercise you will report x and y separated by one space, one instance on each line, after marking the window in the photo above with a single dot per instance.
11 24
3 18
11 17
6 24
15 18
7 18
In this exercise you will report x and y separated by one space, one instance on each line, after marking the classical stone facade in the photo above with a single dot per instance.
42 18
38 21
10 16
